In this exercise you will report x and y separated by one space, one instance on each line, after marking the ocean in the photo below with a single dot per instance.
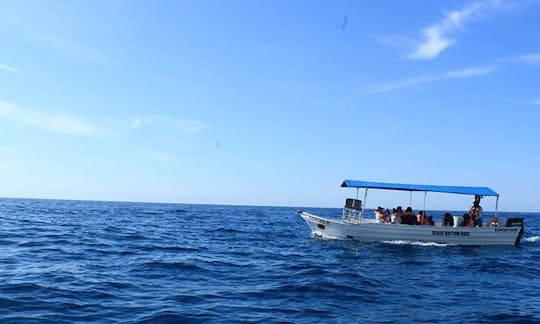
84 261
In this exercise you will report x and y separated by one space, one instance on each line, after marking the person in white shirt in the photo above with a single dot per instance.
396 215
380 215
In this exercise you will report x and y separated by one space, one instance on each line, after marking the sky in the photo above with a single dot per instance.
269 102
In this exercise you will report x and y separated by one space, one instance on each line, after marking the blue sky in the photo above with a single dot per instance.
268 102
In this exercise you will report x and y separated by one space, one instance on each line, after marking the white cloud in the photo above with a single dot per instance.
8 68
405 83
529 58
454 74
441 35
62 124
183 126
469 72
435 42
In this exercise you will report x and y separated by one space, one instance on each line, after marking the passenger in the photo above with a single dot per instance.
476 211
408 218
396 215
448 220
468 221
426 220
472 222
380 215
430 221
420 218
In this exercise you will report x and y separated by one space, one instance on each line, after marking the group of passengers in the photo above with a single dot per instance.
471 219
400 217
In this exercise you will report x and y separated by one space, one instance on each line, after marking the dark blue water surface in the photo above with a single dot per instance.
68 261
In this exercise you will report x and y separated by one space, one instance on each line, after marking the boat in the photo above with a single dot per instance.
354 225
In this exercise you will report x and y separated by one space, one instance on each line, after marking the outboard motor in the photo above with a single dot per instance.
516 222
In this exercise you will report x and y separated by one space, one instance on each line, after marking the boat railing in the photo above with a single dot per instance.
351 215
352 212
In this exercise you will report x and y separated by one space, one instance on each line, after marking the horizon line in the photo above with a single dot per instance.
232 205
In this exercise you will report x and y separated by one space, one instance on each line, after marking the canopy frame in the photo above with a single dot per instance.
462 190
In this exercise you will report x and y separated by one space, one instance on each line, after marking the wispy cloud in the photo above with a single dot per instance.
62 124
441 35
8 68
453 74
535 102
469 72
182 126
528 58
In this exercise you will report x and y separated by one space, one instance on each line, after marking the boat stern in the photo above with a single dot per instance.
516 222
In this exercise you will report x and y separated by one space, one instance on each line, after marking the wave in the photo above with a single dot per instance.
150 212
532 239
174 265
21 288
396 242
324 236
175 317
417 243
413 263
225 230
173 249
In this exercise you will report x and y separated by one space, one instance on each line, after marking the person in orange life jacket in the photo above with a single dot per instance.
476 211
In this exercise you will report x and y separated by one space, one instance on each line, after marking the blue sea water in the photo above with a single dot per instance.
82 261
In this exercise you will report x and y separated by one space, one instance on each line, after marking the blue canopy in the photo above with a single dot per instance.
482 191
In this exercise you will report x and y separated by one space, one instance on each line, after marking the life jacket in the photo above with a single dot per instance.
475 211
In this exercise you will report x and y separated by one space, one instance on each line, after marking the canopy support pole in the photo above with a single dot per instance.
496 206
357 193
410 198
425 195
364 207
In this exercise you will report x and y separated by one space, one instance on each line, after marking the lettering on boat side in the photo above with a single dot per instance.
447 233
318 220
506 229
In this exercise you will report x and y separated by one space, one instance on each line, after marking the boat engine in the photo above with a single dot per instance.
516 222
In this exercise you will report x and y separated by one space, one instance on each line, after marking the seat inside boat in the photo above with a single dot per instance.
353 203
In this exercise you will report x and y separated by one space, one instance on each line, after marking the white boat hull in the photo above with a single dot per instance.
379 232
